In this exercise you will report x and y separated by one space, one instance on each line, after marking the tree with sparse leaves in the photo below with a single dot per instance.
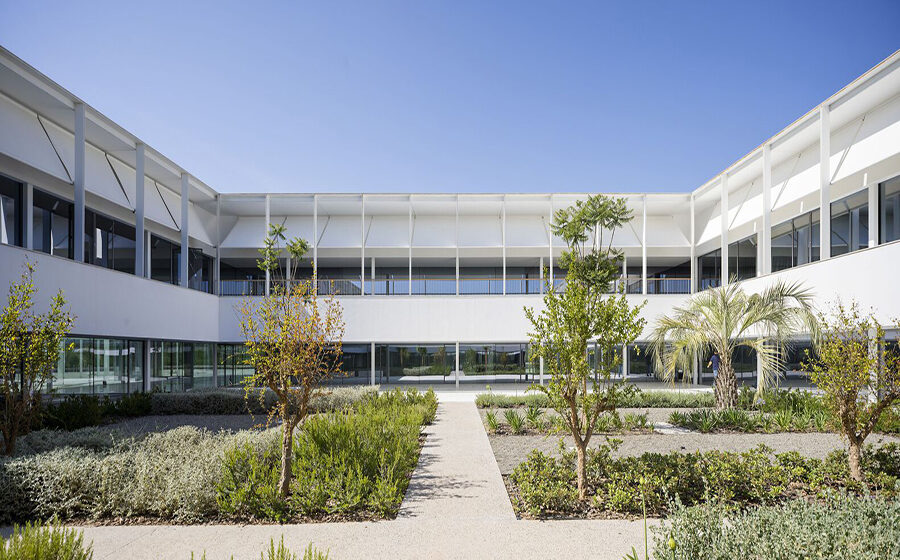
585 312
858 373
29 350
293 339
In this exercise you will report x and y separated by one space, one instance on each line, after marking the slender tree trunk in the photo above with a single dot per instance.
287 447
853 458
726 387
9 440
581 470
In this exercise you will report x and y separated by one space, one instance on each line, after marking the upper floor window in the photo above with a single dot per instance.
108 243
850 223
52 225
11 212
710 268
889 217
742 258
796 241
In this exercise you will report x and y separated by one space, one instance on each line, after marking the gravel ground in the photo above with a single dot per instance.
212 422
512 450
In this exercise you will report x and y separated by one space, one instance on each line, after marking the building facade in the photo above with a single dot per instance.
153 261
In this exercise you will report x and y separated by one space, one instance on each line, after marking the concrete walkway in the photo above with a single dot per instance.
456 507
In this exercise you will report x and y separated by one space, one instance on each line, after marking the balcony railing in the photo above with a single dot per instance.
339 287
247 287
668 285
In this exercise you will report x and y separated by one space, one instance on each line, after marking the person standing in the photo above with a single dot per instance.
714 362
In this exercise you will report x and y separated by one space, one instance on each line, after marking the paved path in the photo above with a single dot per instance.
456 507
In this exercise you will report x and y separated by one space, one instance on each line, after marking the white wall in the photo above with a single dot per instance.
115 304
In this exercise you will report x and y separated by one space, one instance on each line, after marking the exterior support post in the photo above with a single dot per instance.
693 287
874 213
372 364
78 179
458 371
147 367
550 239
825 182
503 239
316 237
29 216
723 184
139 210
625 365
409 284
266 234
185 228
766 233
362 246
644 247
457 254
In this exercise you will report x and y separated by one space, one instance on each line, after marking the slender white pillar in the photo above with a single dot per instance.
315 236
185 228
458 373
541 372
693 287
409 285
503 239
766 233
723 184
625 365
217 281
874 212
29 216
825 182
644 247
78 179
457 250
266 234
139 210
362 246
550 238
372 363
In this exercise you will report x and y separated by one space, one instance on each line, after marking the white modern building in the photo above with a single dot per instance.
153 261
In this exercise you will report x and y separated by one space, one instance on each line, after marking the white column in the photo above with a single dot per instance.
458 372
644 247
625 272
148 262
372 363
825 182
503 239
550 239
362 246
185 228
139 210
268 221
766 233
541 268
146 366
625 364
541 371
457 255
218 271
409 286
315 236
874 212
78 179
693 287
29 216
723 184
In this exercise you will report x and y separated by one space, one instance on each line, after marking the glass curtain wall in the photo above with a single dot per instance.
200 270
12 204
497 362
99 366
163 260
889 215
796 241
356 365
233 366
710 269
850 224
742 258
52 225
426 364
108 243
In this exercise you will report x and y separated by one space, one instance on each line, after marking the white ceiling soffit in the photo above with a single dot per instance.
154 209
526 231
248 232
713 224
746 203
295 226
480 231
626 236
435 231
98 176
202 224
173 203
873 139
795 177
24 139
388 231
341 231
663 231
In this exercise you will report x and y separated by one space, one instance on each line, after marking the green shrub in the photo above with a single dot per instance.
492 422
74 412
840 527
533 417
640 399
132 405
752 477
44 542
516 422
633 421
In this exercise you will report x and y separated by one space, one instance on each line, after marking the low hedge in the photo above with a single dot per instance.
178 475
545 485
639 399
840 526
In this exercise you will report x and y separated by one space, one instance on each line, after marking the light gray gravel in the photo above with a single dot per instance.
511 450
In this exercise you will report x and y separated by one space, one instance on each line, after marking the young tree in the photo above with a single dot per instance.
293 341
585 311
858 374
29 350
725 318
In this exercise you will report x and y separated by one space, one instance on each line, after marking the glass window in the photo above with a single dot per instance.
417 363
203 361
108 243
710 266
167 366
742 258
795 241
356 365
11 212
850 224
889 217
99 366
200 270
233 366
163 260
496 362
52 225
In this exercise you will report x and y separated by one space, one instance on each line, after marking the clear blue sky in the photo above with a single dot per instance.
452 96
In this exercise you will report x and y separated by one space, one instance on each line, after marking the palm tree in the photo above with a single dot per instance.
725 318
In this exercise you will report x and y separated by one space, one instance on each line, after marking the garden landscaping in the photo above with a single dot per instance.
351 460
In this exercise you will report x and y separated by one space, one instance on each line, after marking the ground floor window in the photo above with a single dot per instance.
99 366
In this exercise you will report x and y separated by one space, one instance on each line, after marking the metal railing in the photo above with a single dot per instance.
246 287
668 285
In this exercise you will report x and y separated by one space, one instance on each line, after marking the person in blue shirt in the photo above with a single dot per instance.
714 362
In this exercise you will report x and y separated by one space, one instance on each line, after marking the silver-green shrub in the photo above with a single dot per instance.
231 400
840 527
